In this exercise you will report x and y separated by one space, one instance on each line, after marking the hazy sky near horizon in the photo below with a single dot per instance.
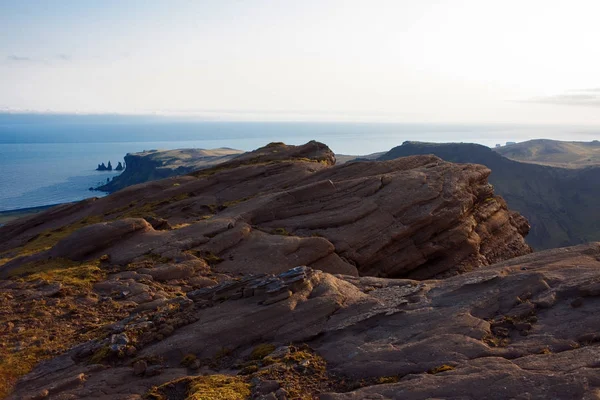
525 61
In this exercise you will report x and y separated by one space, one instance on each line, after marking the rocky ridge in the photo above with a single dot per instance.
269 276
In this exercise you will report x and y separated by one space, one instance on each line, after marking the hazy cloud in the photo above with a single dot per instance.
60 57
581 97
18 58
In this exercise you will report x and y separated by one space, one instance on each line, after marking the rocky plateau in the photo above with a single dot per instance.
280 275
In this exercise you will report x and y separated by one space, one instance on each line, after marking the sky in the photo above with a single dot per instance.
461 61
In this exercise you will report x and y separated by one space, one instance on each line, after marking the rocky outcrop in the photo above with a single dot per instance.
102 167
557 202
505 331
417 217
158 164
270 275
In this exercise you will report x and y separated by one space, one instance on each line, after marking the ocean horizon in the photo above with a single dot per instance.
51 159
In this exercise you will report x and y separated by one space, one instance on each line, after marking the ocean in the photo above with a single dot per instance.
51 159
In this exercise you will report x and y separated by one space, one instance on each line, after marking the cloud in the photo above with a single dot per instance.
60 57
580 97
19 58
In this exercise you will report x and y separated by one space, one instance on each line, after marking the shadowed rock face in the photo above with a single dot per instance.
560 204
187 275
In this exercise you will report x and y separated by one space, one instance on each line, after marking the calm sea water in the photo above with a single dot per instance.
51 159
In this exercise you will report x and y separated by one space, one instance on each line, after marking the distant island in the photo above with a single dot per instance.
102 167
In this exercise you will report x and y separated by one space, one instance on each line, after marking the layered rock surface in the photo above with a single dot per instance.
415 217
559 203
525 328
270 274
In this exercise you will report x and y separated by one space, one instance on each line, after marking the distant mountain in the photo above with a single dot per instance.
560 203
554 152
344 158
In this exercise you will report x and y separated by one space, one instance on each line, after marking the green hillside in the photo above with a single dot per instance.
554 153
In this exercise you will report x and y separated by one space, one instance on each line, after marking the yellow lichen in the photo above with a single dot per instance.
210 387
441 368
218 387
261 351
387 379
280 231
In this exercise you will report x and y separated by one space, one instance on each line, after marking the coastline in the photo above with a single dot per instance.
10 215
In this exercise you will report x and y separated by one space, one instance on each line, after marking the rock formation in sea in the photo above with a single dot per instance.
119 167
102 167
279 275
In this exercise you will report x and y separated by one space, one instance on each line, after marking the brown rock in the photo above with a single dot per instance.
201 281
158 223
267 386
279 297
165 272
404 329
139 367
92 240
154 370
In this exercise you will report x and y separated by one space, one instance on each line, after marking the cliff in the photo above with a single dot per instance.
270 275
559 203
158 164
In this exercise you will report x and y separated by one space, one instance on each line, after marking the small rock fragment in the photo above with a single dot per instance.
139 367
